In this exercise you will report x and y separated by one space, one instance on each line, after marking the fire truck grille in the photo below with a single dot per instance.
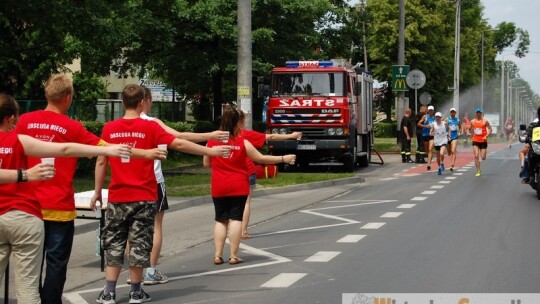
306 118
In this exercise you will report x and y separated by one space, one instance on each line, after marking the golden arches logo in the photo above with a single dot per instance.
399 84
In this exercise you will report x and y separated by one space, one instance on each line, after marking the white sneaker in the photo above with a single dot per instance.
138 297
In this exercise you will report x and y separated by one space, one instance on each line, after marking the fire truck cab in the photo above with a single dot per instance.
330 103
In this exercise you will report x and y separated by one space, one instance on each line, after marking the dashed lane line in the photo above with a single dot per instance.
351 238
283 280
323 256
406 206
372 226
391 214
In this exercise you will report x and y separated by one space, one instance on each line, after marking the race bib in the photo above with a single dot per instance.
453 127
478 131
536 134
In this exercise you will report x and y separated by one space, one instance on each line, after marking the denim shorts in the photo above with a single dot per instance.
252 180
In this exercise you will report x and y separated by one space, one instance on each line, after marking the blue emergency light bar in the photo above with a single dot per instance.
309 64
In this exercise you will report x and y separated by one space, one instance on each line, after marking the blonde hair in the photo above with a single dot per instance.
58 86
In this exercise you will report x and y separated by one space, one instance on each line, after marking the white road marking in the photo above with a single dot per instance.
351 238
406 206
419 198
444 182
428 192
372 226
275 259
457 174
322 256
464 170
388 178
437 187
283 280
450 177
391 214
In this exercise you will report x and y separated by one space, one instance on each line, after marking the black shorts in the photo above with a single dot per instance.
229 207
438 148
427 138
162 203
480 145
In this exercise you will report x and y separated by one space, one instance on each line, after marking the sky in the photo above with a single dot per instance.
526 15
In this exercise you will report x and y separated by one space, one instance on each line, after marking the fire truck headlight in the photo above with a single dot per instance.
339 131
282 131
275 131
331 131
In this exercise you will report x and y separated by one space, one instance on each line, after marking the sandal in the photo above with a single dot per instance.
218 260
234 261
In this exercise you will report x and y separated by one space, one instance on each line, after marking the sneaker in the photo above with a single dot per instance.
452 168
442 166
439 172
128 281
478 173
106 298
429 167
138 297
156 278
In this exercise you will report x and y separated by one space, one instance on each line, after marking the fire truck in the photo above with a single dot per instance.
330 102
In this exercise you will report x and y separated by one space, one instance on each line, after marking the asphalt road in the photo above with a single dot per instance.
403 230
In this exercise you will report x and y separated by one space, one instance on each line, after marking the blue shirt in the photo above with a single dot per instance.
453 126
429 120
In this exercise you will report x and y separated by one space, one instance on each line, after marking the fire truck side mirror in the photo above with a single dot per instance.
263 90
357 90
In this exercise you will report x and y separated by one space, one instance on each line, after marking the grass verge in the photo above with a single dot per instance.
189 185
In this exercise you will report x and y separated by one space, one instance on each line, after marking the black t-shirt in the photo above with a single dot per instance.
418 118
406 122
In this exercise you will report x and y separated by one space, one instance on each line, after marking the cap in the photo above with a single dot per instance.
479 109
438 114
430 108
453 109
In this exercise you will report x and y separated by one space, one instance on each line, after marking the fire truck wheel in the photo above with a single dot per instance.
348 163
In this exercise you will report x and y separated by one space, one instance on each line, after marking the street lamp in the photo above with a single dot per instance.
457 43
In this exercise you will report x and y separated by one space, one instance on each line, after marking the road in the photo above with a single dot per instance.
403 230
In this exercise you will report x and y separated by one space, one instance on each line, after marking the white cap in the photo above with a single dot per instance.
453 109
438 114
431 108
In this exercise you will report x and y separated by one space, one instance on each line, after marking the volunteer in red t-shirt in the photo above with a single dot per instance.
230 184
21 227
132 193
258 141
56 196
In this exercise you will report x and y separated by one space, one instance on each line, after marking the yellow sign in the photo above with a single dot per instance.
536 134
243 91
400 85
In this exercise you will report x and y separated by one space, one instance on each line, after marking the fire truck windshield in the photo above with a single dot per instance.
308 84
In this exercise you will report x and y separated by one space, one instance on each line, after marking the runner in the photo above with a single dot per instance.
454 125
439 133
509 131
481 129
425 123
466 128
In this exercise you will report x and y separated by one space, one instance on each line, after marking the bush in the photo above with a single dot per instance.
385 129
204 126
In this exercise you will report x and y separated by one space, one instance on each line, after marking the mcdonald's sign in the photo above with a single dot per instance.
399 78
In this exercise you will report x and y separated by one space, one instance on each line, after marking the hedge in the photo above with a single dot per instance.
385 129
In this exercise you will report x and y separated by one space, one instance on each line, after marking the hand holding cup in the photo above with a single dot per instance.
163 147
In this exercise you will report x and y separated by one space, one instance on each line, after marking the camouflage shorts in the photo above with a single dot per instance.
133 222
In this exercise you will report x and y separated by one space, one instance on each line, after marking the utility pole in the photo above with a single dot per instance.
363 8
400 106
457 47
244 84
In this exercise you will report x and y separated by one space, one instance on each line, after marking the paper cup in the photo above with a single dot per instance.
48 160
226 140
125 159
162 147
227 155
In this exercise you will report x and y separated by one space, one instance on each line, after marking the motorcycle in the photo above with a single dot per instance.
532 161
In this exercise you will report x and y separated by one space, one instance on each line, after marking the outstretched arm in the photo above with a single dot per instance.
37 148
257 157
190 136
293 135
192 148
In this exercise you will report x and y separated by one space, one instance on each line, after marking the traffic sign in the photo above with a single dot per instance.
399 78
416 79
425 98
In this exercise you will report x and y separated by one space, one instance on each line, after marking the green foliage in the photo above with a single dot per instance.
204 126
88 89
385 129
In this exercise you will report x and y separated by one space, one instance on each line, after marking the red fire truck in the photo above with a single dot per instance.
330 103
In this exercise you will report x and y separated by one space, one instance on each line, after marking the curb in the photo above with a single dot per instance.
180 203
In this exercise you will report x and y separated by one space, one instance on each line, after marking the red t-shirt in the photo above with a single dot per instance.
56 193
257 140
134 181
230 175
16 196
